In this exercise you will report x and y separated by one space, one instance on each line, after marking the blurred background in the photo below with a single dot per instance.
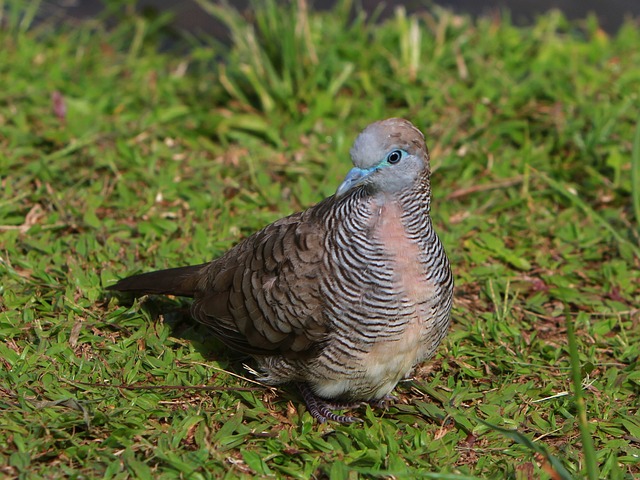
188 15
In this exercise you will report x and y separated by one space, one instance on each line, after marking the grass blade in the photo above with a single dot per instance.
635 175
586 208
553 462
576 379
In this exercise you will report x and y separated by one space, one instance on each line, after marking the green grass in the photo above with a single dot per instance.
167 159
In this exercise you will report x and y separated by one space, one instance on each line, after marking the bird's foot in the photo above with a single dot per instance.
321 410
385 402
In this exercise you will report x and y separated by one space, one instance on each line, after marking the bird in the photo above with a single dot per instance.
343 299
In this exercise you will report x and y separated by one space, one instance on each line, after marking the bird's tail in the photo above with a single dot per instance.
181 281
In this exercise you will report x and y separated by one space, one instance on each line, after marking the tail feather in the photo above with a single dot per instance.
181 281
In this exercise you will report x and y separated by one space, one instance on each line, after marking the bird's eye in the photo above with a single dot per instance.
394 157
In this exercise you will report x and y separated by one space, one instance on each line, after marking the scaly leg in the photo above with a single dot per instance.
320 409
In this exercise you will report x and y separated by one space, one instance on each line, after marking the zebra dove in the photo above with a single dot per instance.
343 299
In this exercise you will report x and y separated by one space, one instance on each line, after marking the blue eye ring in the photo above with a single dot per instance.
394 157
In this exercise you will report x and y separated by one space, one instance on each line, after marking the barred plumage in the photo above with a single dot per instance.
344 298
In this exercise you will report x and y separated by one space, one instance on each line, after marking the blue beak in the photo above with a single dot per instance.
355 177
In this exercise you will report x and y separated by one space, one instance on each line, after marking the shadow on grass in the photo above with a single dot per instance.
175 312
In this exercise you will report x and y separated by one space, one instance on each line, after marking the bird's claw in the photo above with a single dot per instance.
385 402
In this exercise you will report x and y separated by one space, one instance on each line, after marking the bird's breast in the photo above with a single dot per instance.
382 334
392 357
403 253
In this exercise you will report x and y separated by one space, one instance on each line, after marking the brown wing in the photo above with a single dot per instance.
262 297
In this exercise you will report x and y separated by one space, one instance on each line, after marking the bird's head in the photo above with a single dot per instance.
388 156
